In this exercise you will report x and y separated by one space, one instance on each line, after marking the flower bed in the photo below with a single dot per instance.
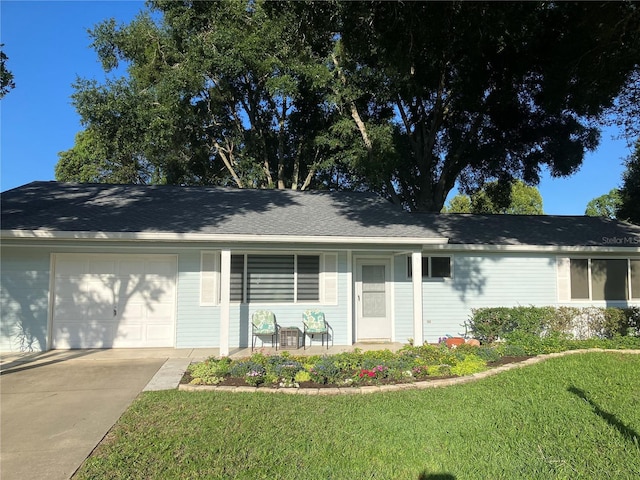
383 367
357 368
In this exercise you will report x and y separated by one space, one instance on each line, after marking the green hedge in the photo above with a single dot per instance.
569 323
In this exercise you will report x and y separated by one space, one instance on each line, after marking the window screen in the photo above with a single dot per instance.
579 278
440 267
609 279
635 278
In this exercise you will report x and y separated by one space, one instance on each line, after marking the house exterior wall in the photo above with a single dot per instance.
479 279
24 298
495 279
486 280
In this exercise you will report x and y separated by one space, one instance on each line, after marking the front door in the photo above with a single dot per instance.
373 319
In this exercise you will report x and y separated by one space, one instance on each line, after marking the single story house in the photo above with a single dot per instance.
109 266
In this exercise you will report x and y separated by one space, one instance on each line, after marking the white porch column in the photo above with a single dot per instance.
416 276
225 296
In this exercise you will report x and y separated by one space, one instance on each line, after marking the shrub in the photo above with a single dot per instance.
470 365
288 370
438 370
325 371
242 368
491 324
209 372
302 376
633 321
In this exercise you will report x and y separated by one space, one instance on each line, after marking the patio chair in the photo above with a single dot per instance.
315 324
263 323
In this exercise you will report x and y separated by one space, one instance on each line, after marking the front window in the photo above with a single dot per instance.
261 278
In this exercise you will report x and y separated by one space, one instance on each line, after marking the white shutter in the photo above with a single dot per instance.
209 262
564 279
330 278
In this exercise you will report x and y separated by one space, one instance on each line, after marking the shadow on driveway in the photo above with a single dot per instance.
57 407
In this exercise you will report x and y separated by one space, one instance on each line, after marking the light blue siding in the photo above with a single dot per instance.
486 280
196 326
403 300
24 299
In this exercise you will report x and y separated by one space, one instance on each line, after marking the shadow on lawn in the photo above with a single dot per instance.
628 433
436 476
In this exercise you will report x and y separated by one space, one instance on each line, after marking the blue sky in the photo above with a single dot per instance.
48 48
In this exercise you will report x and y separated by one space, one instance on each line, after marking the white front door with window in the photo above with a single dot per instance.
373 309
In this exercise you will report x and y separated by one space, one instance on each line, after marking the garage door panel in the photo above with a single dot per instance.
102 267
72 267
114 302
130 335
83 335
156 333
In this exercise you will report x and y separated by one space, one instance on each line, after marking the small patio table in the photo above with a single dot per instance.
289 337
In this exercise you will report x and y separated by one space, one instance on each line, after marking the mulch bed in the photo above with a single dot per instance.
239 382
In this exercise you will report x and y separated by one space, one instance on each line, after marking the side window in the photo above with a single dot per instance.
604 279
441 267
635 278
579 278
432 267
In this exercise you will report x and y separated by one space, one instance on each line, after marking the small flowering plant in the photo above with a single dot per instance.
255 376
378 372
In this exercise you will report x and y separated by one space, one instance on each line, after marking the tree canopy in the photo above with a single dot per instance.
606 205
405 99
6 77
629 208
521 199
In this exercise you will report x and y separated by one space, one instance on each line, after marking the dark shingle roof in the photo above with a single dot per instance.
66 207
548 230
209 210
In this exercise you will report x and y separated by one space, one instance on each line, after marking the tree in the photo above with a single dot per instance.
630 191
605 205
402 98
522 199
476 91
217 93
6 77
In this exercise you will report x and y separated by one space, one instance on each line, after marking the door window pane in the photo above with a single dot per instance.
373 291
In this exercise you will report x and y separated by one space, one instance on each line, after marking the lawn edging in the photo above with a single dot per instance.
421 385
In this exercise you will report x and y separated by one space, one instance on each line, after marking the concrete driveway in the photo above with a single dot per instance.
57 406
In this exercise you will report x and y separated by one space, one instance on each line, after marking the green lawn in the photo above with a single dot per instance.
566 418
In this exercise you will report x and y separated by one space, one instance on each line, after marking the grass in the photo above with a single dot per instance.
567 418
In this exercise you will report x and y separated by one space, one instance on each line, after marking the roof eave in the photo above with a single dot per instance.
209 237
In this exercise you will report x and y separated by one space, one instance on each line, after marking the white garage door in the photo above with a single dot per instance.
114 301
